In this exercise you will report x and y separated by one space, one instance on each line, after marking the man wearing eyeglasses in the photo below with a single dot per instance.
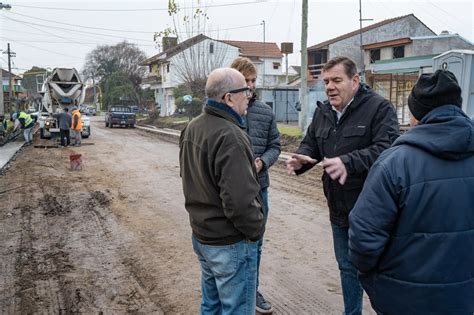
222 196
263 132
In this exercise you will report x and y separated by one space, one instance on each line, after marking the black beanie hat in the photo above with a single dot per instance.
434 90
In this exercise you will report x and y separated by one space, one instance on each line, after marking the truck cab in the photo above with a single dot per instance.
120 115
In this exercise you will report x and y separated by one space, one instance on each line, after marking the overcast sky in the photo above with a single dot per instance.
82 25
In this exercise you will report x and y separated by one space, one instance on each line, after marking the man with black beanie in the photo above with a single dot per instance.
411 232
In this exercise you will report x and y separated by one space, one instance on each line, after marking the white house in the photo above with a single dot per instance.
201 54
169 68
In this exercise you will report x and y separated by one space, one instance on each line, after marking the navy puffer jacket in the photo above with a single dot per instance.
263 132
412 229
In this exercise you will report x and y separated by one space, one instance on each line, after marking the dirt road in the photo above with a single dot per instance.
114 238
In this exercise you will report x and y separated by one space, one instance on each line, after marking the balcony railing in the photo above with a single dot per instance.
153 79
315 70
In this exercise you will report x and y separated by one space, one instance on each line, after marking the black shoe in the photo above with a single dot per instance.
263 306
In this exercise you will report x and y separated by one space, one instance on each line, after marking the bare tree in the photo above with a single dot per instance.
203 55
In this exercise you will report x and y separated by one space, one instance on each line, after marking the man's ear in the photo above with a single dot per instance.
355 82
228 100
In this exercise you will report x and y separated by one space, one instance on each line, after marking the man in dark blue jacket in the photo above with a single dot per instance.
412 229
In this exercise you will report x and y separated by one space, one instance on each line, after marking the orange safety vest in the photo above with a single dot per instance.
79 120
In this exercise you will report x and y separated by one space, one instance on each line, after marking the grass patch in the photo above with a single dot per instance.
290 131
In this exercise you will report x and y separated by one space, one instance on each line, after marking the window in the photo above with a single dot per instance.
398 52
276 65
374 55
167 67
211 48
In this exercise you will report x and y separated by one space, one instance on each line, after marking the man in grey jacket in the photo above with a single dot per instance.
222 196
64 122
263 132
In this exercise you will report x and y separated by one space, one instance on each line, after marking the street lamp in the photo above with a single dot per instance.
5 6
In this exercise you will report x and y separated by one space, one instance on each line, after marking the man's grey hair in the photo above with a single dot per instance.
221 81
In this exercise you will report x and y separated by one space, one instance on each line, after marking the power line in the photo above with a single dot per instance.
89 27
455 18
121 37
136 10
52 34
63 42
47 50
120 30
73 30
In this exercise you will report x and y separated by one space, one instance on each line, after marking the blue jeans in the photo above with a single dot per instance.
228 277
351 288
260 241
28 134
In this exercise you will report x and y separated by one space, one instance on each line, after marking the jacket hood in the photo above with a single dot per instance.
445 132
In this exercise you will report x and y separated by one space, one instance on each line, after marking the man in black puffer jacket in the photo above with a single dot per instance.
263 132
347 134
412 229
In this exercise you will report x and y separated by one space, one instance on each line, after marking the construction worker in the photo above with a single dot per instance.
64 122
26 122
76 126
3 125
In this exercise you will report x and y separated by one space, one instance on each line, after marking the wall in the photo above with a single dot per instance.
350 47
283 103
437 45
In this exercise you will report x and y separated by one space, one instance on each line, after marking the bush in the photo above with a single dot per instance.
191 110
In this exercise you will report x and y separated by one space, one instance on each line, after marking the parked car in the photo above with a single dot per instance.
135 109
120 115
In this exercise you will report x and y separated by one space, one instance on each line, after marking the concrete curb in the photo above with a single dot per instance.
10 150
173 136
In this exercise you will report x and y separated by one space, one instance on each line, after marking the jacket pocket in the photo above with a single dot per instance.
355 131
322 133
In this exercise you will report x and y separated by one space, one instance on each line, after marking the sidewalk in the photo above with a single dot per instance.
8 151
173 135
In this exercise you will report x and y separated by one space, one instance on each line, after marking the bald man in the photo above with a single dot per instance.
222 196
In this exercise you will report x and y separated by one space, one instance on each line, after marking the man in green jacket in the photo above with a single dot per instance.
26 122
222 196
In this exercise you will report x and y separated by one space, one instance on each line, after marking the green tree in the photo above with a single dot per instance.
119 89
115 63
195 107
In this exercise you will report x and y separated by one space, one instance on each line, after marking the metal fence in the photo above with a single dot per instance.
395 87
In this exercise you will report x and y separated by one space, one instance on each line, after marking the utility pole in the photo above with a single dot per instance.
263 67
94 100
5 6
362 67
304 68
2 108
10 91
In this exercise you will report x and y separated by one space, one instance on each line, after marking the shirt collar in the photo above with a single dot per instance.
340 113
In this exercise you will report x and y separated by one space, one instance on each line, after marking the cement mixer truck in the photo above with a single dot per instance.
62 88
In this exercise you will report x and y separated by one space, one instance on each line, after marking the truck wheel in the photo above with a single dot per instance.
132 125
88 133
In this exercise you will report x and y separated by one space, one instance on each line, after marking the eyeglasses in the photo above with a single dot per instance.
246 89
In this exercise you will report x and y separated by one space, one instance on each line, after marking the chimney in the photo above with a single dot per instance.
444 32
168 42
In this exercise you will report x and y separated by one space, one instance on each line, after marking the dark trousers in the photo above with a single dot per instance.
64 133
